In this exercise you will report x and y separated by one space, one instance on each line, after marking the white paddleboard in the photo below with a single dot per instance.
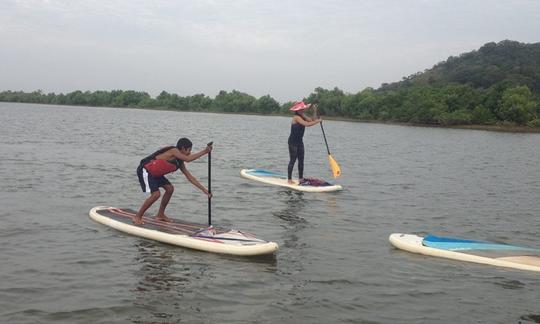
502 255
185 234
278 179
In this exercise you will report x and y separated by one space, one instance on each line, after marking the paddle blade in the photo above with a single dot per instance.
336 170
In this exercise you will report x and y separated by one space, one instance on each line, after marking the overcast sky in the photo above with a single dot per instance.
282 48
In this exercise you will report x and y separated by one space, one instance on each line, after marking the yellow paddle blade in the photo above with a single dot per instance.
336 171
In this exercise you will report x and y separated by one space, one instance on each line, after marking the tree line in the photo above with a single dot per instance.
497 85
453 104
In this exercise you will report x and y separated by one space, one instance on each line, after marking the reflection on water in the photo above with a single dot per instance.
294 204
269 261
332 203
170 278
293 247
156 273
160 284
511 284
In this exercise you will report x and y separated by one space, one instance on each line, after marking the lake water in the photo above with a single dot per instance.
335 264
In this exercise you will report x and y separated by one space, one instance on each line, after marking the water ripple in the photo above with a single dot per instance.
334 265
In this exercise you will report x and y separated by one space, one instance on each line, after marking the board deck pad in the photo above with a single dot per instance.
279 179
497 254
182 233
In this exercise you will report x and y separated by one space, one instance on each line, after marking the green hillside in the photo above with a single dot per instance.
499 84
508 63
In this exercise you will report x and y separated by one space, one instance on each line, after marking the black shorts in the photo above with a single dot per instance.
148 182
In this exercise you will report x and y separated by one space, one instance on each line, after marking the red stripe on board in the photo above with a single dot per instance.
159 224
162 224
123 212
178 228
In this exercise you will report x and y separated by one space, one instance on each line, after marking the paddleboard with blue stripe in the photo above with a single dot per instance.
497 254
280 179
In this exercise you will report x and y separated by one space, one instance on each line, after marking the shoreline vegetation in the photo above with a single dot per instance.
495 88
492 128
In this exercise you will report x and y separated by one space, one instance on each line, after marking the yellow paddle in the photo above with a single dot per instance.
336 170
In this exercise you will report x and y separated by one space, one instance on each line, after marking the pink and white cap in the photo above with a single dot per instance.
300 105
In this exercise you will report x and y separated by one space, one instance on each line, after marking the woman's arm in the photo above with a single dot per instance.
301 121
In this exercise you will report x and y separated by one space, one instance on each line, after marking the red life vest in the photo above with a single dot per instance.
158 168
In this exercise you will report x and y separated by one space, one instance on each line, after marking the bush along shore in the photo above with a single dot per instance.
494 88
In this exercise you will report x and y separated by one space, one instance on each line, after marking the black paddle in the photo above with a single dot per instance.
336 170
210 185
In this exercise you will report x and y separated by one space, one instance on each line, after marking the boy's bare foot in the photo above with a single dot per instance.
137 221
163 218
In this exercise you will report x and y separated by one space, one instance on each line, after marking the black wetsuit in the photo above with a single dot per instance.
296 150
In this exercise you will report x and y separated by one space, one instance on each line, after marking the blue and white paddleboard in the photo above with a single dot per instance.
497 254
278 179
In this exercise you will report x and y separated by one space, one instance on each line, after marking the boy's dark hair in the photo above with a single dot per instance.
184 143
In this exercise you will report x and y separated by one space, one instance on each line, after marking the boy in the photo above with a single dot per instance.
152 170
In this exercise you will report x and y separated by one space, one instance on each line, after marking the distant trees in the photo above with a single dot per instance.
329 101
234 101
498 84
266 105
452 104
518 105
115 98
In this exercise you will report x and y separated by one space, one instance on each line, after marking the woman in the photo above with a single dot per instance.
296 144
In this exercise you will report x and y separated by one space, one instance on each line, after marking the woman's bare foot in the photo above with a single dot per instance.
289 181
163 218
138 221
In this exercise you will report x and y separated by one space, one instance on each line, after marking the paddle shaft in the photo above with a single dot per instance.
336 171
322 128
210 187
324 136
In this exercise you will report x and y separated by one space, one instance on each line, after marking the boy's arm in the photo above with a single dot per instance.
192 179
192 157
